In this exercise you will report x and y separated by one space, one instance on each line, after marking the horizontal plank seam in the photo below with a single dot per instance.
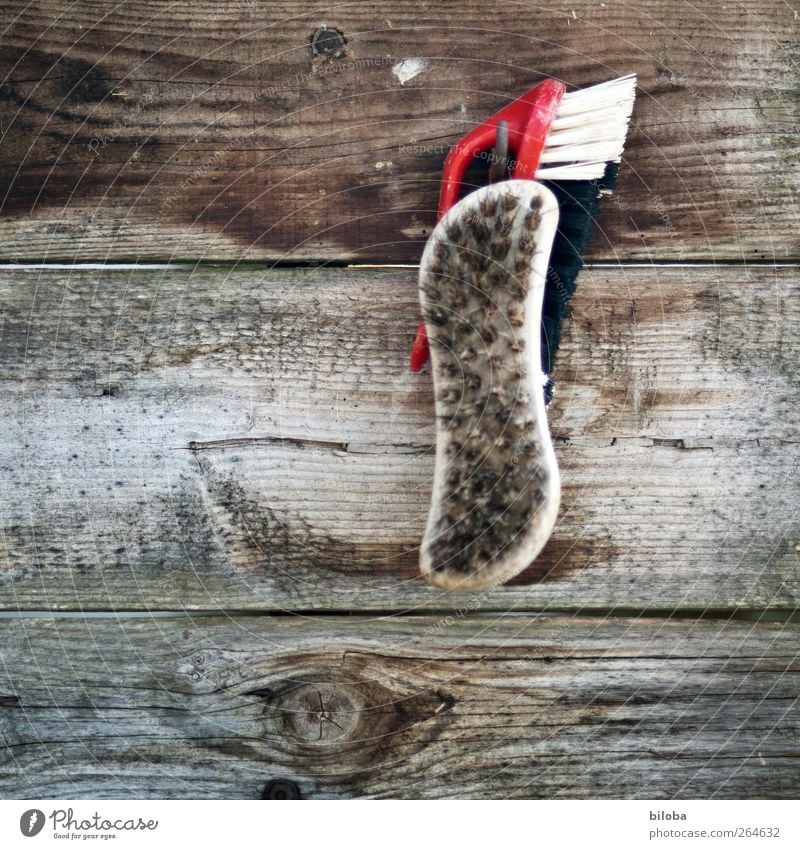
786 616
792 262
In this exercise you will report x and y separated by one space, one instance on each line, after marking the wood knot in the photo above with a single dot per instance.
328 43
326 717
320 713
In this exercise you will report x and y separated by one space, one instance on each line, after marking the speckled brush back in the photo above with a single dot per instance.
496 485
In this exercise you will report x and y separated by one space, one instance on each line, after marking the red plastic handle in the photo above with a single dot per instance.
529 119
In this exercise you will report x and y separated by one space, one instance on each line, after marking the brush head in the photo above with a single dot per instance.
496 485
588 132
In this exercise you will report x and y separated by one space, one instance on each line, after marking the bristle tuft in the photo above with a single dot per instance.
589 131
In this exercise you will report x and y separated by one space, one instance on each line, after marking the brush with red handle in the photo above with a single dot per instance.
572 142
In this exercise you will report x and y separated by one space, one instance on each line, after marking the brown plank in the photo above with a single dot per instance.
421 707
199 130
253 439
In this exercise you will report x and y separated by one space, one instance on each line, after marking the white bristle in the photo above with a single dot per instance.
588 131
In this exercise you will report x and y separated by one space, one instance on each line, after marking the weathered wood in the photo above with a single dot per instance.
409 707
199 129
204 438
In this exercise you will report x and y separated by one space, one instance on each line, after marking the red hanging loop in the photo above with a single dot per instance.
529 119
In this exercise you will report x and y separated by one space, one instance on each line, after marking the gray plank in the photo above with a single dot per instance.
462 706
214 438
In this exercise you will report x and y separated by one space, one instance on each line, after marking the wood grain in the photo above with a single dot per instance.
252 439
412 707
203 130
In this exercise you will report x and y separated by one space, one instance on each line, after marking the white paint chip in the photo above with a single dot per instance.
407 69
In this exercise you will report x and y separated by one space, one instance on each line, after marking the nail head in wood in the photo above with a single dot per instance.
328 41
281 788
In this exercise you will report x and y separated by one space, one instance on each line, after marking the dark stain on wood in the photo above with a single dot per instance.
254 533
562 558
318 151
257 537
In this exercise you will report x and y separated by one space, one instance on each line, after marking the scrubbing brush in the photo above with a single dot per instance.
571 141
496 485
494 260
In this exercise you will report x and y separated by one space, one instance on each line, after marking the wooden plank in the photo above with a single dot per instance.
253 439
413 707
207 130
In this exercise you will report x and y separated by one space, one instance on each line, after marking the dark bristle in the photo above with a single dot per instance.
608 183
